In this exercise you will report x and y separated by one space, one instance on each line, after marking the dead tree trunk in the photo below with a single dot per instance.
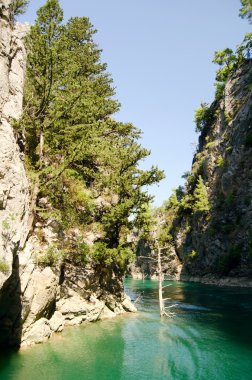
160 286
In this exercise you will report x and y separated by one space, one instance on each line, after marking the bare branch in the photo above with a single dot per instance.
166 286
145 257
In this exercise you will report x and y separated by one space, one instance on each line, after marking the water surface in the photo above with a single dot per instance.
208 337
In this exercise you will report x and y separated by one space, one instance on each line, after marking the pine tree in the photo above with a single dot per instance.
18 7
201 202
78 152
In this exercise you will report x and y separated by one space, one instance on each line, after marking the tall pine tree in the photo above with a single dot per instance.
75 148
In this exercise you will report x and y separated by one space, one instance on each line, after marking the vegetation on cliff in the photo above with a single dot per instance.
83 163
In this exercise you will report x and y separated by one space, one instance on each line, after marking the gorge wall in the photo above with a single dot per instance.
14 193
37 299
218 242
208 223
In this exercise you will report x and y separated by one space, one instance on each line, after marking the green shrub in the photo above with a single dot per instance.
210 144
201 202
220 162
219 90
8 231
119 257
4 267
229 149
228 116
203 116
51 257
80 253
187 229
193 254
187 202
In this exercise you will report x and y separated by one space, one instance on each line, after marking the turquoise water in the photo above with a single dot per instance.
209 337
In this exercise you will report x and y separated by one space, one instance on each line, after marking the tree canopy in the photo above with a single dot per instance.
84 161
246 10
18 7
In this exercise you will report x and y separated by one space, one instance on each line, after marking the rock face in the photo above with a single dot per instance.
218 242
37 300
14 194
145 265
215 245
69 295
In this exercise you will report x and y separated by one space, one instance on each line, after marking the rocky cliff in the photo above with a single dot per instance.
37 298
217 240
14 194
209 221
208 224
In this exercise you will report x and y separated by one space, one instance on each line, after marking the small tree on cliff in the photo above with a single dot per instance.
246 10
227 60
18 7
201 202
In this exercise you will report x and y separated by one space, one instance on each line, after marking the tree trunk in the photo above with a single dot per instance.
160 280
32 212
41 148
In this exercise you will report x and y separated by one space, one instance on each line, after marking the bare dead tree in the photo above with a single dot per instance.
163 310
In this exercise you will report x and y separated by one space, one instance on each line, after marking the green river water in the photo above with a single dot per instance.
209 337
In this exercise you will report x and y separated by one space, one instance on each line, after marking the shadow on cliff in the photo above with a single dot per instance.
11 310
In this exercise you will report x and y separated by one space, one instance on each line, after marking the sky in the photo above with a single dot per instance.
159 54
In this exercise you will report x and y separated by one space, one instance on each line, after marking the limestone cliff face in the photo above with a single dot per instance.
14 191
14 194
219 242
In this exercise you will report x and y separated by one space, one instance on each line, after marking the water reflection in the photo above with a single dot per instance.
209 338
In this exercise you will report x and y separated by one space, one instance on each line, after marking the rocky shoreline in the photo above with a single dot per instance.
241 282
244 281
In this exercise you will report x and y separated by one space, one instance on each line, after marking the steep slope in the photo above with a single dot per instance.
212 228
14 194
206 226
14 184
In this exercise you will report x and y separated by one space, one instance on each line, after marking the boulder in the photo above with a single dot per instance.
39 333
128 305
57 322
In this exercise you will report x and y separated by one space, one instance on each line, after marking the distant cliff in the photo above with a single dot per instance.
217 239
207 225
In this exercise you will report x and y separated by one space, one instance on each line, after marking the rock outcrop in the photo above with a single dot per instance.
14 192
64 294
213 239
219 241
145 265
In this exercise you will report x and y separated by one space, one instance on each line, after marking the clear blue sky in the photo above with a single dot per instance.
159 54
